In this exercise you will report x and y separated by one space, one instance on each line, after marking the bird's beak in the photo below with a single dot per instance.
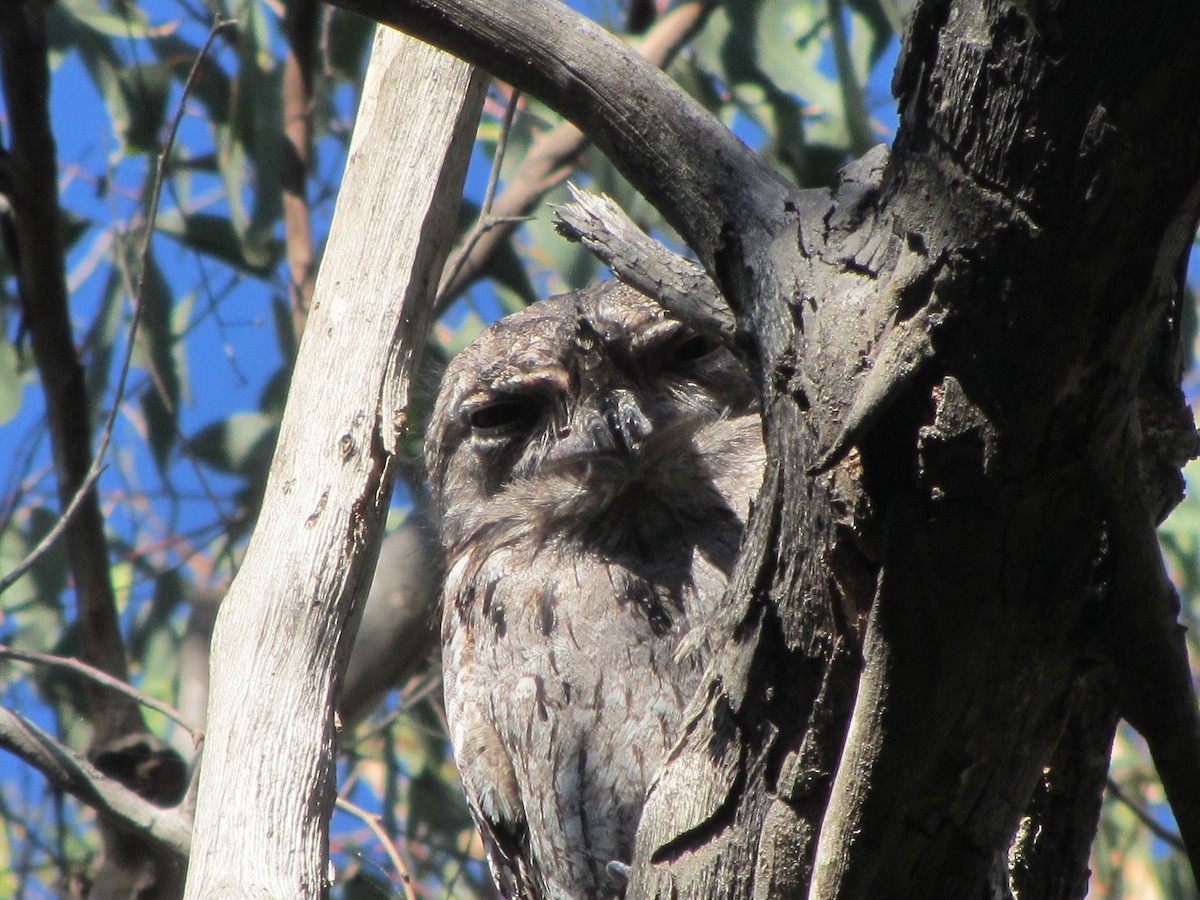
612 423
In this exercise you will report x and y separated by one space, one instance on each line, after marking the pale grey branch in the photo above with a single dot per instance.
705 182
680 285
70 772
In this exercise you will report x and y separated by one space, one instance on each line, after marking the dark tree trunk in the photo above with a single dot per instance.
969 359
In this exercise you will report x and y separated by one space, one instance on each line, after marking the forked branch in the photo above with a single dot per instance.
69 772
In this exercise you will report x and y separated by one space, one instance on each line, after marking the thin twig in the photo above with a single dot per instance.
372 822
510 113
67 771
1156 828
97 466
485 222
551 157
82 668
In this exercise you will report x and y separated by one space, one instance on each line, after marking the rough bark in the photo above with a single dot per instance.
1048 858
285 629
969 358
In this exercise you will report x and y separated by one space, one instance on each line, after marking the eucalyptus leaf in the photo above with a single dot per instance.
144 87
215 236
12 382
232 444
161 428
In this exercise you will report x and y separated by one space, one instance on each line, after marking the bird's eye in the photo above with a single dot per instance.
693 349
505 416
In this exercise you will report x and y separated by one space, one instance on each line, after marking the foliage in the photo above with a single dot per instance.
804 81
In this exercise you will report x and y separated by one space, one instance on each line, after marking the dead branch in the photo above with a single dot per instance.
680 285
551 157
69 772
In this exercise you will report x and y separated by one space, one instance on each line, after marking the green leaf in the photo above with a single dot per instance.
285 328
12 382
435 803
66 32
160 428
144 88
157 617
181 323
881 21
10 881
348 42
234 444
131 23
569 266
34 602
215 236
52 568
256 141
74 227
154 641
274 393
155 348
762 60
367 885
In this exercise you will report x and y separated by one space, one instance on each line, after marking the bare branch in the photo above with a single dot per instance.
71 773
550 157
331 477
79 668
703 180
680 285
389 847
41 281
120 742
301 21
83 491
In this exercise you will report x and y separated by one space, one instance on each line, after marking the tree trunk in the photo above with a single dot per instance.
969 360
267 781
970 366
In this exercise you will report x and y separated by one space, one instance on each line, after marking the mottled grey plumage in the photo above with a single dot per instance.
593 462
